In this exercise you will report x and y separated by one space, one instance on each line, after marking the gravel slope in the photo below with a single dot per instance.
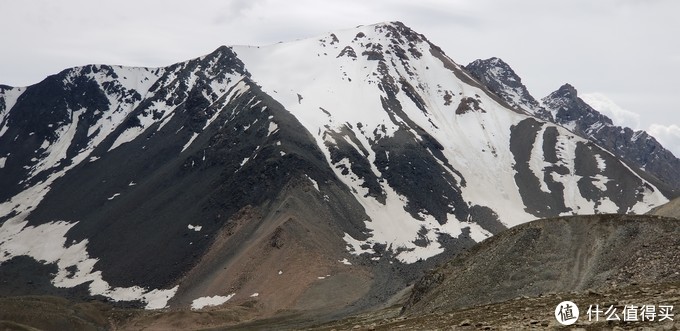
565 254
670 209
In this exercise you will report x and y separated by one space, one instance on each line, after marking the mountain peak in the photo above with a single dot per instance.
493 61
399 31
567 90
566 106
500 79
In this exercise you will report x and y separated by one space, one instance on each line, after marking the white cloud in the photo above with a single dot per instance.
609 108
668 136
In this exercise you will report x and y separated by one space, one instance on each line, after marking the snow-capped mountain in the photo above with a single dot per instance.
563 107
365 154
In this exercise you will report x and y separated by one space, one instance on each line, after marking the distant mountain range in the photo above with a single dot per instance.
324 173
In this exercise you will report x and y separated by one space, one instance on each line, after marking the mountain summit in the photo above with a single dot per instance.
501 80
276 175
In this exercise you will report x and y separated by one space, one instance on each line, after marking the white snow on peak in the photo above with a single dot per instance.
228 88
339 92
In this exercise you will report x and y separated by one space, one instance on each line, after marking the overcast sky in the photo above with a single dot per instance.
623 55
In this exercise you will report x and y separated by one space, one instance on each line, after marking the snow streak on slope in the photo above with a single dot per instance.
566 155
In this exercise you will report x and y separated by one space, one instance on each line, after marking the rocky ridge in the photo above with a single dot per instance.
563 106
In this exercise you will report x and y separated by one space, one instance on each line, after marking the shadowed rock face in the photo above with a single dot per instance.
554 255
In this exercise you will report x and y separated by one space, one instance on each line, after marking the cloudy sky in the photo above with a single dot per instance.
621 54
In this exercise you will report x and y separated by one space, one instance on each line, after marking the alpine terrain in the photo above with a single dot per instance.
319 176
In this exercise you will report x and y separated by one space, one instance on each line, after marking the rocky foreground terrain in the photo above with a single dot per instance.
511 281
516 314
525 313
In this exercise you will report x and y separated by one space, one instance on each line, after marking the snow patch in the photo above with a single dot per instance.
600 182
477 233
113 196
189 142
216 300
536 162
345 261
600 162
272 128
126 137
316 185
